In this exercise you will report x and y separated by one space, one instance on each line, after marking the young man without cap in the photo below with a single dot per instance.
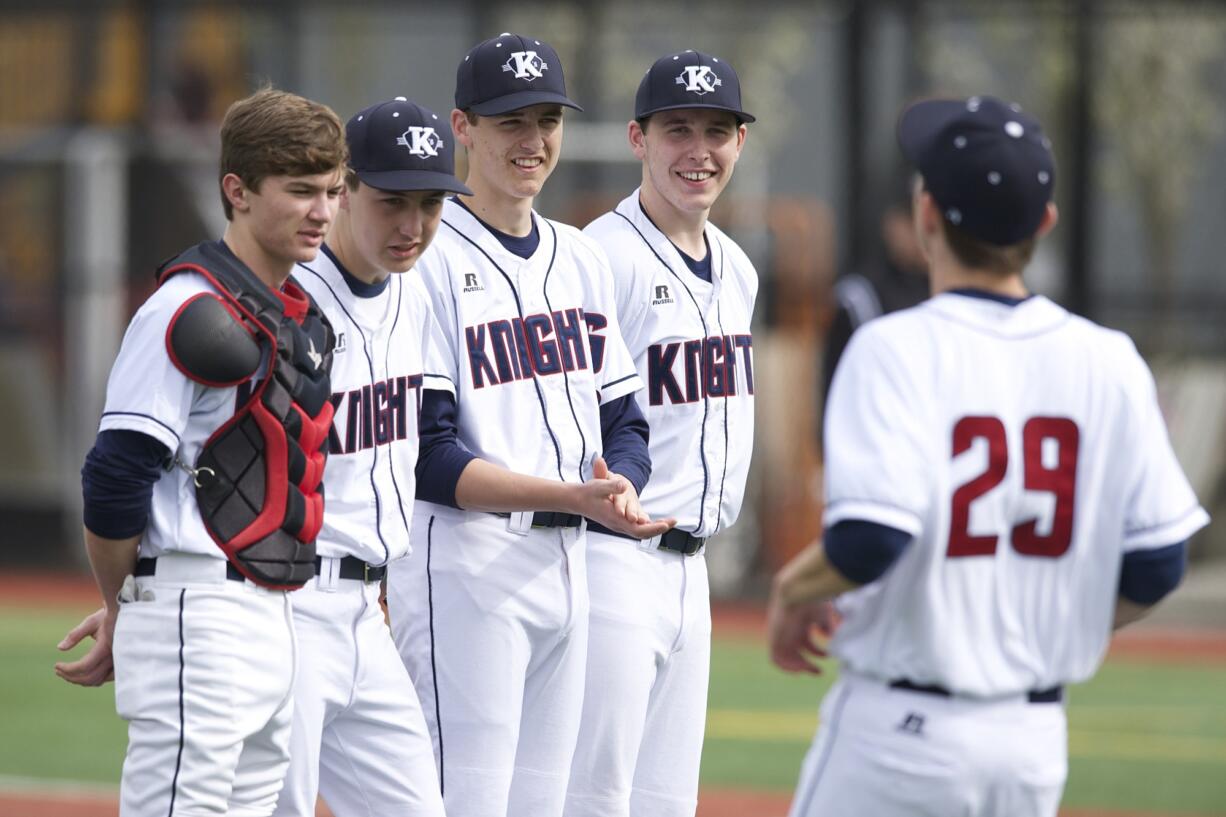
999 482
202 497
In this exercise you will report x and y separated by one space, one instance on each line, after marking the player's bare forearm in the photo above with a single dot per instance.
1126 612
809 577
112 561
484 486
800 615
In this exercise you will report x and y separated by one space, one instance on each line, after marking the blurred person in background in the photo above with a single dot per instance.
897 278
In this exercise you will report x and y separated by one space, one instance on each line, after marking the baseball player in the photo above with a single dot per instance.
201 494
490 612
359 737
999 482
685 296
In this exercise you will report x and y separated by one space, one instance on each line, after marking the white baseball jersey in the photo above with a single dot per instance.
491 620
693 347
533 354
1049 460
188 621
386 352
147 393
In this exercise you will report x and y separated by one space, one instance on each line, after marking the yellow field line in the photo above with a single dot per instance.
797 726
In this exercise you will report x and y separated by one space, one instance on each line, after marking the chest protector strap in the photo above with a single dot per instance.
258 476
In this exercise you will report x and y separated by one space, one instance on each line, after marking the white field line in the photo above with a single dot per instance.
58 788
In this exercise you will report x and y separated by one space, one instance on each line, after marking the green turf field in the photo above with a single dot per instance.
1143 737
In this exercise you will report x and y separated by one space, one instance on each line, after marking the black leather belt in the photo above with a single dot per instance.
551 519
354 568
148 567
673 539
1034 696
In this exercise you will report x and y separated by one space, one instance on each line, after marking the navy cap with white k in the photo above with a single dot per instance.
985 162
399 145
689 79
510 72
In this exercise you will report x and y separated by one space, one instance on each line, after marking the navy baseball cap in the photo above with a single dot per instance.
985 162
510 72
399 145
689 79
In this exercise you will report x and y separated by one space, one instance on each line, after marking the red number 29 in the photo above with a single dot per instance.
1059 480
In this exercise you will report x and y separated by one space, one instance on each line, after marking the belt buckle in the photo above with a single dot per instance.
366 572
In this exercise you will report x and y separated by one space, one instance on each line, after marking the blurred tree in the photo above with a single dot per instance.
1157 114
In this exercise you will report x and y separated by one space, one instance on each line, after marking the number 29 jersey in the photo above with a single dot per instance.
1024 449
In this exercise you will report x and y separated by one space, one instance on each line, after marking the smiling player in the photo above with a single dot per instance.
685 298
491 612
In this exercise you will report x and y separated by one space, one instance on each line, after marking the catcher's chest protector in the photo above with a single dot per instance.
258 475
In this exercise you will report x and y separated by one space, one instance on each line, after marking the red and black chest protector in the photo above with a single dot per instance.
258 476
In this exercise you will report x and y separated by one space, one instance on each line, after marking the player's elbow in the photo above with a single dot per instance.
1148 576
863 551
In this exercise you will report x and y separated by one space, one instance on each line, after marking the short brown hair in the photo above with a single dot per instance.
276 133
974 253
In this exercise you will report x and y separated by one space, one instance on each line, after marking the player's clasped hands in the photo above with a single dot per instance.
96 667
611 500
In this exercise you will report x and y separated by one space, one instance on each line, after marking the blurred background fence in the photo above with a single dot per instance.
108 145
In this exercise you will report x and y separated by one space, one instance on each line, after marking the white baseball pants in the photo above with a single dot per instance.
359 737
900 753
492 626
204 667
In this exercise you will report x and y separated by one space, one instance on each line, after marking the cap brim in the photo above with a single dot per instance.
520 99
402 180
741 115
924 121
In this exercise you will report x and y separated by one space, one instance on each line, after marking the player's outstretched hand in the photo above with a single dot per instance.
616 504
793 634
96 667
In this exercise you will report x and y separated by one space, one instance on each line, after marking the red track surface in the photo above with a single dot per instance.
712 803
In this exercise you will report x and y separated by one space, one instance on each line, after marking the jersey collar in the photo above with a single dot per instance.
1011 318
357 286
631 209
460 218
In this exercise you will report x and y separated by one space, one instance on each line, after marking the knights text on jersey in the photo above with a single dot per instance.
146 392
1052 459
387 349
692 345
533 345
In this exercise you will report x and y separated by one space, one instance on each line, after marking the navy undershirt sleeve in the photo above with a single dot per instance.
117 482
625 433
1148 575
863 551
442 457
